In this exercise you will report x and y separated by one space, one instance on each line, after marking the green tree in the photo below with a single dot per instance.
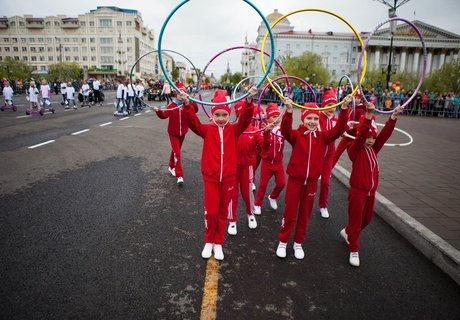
446 79
306 66
14 69
64 71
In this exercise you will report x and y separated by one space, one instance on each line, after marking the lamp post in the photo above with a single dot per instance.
391 14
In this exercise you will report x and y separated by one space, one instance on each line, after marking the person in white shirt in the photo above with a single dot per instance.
85 90
166 92
130 99
45 92
139 94
70 95
32 95
120 99
97 92
7 93
63 92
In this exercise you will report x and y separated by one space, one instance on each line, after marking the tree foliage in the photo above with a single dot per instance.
446 79
308 65
64 71
14 69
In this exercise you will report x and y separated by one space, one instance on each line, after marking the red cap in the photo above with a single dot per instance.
359 94
220 96
272 110
238 106
372 129
328 98
305 112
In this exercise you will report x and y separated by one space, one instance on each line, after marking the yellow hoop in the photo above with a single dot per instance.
280 94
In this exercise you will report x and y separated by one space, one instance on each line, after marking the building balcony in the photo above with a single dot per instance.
35 23
70 23
3 23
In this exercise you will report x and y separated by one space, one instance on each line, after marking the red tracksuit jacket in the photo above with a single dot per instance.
177 125
326 124
273 147
365 171
247 146
309 147
219 157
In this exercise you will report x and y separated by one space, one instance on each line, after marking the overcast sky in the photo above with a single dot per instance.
201 28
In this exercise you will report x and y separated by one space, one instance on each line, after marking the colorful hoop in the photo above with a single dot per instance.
422 78
160 60
262 61
387 144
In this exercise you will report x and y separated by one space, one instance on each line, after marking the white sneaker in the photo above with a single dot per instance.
252 223
180 181
172 171
344 235
281 250
218 253
257 210
354 259
324 213
298 251
232 228
273 203
207 250
253 187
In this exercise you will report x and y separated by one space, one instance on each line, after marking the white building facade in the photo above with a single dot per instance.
106 42
340 51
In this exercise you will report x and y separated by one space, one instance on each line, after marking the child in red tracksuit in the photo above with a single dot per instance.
272 160
353 116
218 164
364 177
327 121
304 168
246 148
177 129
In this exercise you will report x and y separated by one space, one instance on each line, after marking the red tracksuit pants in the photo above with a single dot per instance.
175 158
245 178
341 147
217 204
360 211
297 210
267 170
325 181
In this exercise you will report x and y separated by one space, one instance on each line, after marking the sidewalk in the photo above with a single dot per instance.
419 187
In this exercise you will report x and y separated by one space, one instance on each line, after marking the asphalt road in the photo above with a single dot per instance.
92 226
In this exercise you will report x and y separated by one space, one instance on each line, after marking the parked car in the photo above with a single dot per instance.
154 93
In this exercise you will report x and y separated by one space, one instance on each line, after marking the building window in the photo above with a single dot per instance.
75 49
82 24
56 24
106 59
92 40
76 58
66 39
106 40
24 49
85 58
12 24
41 49
15 40
93 58
92 49
33 58
75 40
15 49
23 40
119 23
91 23
105 22
42 58
16 58
23 58
48 23
67 58
21 23
129 23
50 49
33 49
106 50
83 40
50 58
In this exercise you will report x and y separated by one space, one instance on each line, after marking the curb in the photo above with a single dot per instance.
437 250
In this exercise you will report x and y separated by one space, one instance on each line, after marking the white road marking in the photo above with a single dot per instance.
105 124
123 118
78 132
41 144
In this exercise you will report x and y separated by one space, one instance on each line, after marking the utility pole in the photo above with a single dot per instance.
391 14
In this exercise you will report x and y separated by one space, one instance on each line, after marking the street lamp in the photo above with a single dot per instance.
391 14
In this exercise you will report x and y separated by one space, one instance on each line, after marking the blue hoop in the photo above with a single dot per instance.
160 59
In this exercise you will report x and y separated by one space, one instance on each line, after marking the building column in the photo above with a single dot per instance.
429 60
442 58
402 61
377 58
416 60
